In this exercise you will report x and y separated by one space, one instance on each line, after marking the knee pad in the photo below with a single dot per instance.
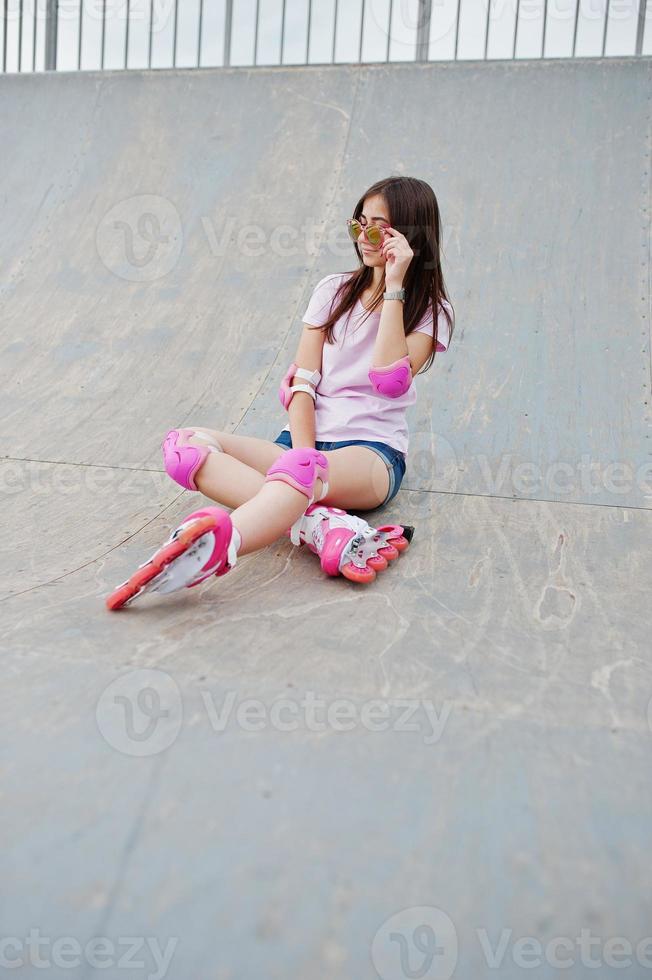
181 460
300 468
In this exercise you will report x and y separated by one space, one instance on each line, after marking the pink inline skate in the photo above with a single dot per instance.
206 543
347 545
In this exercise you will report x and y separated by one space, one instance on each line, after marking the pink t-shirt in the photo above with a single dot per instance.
347 407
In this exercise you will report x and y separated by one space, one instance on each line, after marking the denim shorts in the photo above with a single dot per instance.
392 458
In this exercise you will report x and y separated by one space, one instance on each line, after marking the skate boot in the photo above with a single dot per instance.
206 543
346 544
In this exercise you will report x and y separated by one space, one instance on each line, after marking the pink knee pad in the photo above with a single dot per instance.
181 460
299 468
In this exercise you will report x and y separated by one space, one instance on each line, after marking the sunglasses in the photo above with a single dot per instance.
374 232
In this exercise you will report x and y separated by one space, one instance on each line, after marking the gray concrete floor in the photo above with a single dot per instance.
281 775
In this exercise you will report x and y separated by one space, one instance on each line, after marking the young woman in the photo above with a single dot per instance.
366 334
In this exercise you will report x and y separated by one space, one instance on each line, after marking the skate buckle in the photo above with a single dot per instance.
356 551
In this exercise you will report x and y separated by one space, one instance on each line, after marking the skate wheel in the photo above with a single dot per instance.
400 543
395 536
356 574
120 596
389 552
150 569
378 562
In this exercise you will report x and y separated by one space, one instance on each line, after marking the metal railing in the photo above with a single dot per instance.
74 35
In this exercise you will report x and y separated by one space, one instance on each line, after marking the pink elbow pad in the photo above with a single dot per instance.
394 380
286 391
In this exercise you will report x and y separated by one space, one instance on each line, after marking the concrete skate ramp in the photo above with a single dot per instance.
184 771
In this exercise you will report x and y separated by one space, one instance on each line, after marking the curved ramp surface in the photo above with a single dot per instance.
280 774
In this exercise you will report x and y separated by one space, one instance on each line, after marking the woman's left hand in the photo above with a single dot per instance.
398 254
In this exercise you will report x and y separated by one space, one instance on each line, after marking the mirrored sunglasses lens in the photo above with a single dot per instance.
355 229
373 235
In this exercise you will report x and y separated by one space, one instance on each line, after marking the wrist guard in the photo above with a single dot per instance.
286 391
394 380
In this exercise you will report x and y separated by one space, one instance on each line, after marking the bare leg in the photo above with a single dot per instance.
266 517
358 478
264 510
227 481
237 473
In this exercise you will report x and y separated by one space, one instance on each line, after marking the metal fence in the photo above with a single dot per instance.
97 34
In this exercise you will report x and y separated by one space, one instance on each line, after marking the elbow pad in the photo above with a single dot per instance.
286 391
394 380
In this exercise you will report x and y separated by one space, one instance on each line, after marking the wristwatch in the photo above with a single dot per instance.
395 294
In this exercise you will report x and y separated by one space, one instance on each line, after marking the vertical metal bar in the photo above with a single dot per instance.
577 17
308 32
280 58
20 36
199 33
334 35
640 30
151 33
486 30
228 24
79 35
256 33
604 30
34 35
518 10
4 35
174 34
545 21
103 33
457 27
389 28
51 21
127 35
423 30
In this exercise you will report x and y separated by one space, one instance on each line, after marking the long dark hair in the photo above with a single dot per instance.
413 210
